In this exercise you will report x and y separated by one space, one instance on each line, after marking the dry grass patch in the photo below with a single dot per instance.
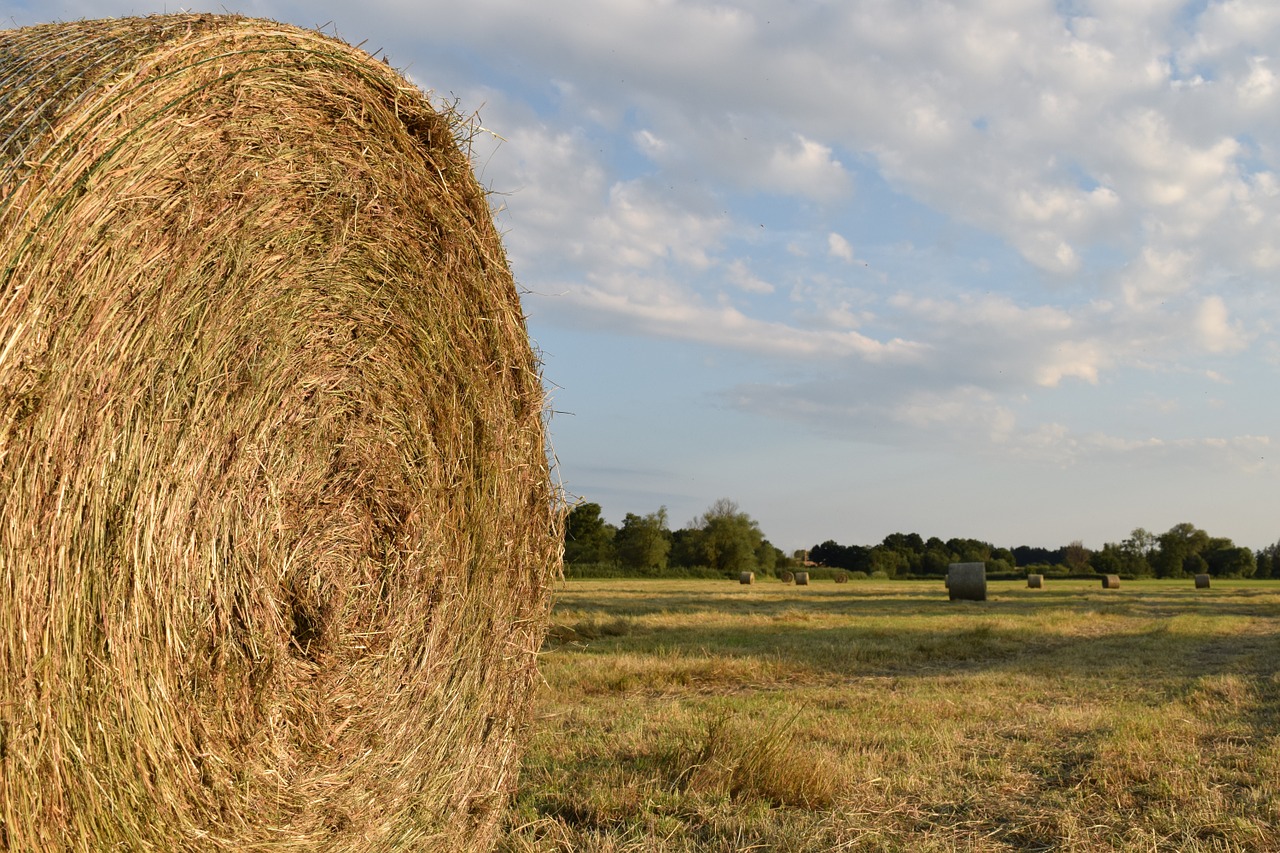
877 717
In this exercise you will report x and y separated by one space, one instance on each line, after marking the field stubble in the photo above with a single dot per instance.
711 716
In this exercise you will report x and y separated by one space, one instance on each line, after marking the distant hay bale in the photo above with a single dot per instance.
1035 581
1111 582
841 577
967 581
788 577
1202 581
278 522
802 578
747 577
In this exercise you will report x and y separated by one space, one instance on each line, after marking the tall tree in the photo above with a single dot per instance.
643 541
1076 556
587 537
1175 547
728 538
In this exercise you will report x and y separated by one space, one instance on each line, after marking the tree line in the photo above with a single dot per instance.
1181 551
724 541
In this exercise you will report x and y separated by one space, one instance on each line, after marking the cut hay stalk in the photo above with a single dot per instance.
967 581
1202 581
1035 581
278 521
747 577
802 578
1111 582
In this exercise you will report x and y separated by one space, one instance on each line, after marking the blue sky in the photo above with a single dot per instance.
1003 269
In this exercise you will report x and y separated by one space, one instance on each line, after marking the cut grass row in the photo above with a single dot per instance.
709 716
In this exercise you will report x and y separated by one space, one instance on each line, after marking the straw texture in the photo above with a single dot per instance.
276 519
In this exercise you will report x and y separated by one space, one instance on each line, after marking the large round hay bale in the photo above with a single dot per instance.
802 578
841 577
746 577
967 581
1202 581
1111 582
1035 581
788 577
278 524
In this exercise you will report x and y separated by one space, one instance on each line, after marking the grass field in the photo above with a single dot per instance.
710 716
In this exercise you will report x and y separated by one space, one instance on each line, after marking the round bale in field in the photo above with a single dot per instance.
802 578
967 581
1035 581
1111 582
1202 581
842 577
279 526
788 577
747 577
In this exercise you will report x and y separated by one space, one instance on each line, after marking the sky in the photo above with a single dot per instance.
997 269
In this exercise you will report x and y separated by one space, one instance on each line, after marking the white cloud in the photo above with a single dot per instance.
838 247
1155 275
739 275
806 168
658 307
1214 328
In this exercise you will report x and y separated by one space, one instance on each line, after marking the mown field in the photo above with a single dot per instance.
710 716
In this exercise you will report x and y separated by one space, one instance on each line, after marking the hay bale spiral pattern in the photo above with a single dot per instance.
276 519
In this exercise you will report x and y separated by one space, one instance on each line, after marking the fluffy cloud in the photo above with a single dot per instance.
838 247
1116 158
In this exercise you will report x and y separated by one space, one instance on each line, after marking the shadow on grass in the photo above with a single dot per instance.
1144 641
917 598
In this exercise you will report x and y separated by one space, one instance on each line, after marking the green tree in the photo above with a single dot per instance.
587 537
855 558
1226 560
893 563
686 548
644 542
1118 559
1268 562
769 559
1175 546
1137 550
1076 556
1195 564
728 539
1108 561
969 550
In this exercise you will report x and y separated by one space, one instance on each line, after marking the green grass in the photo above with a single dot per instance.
879 716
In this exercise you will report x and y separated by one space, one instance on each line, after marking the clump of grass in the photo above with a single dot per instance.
591 627
743 759
278 523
